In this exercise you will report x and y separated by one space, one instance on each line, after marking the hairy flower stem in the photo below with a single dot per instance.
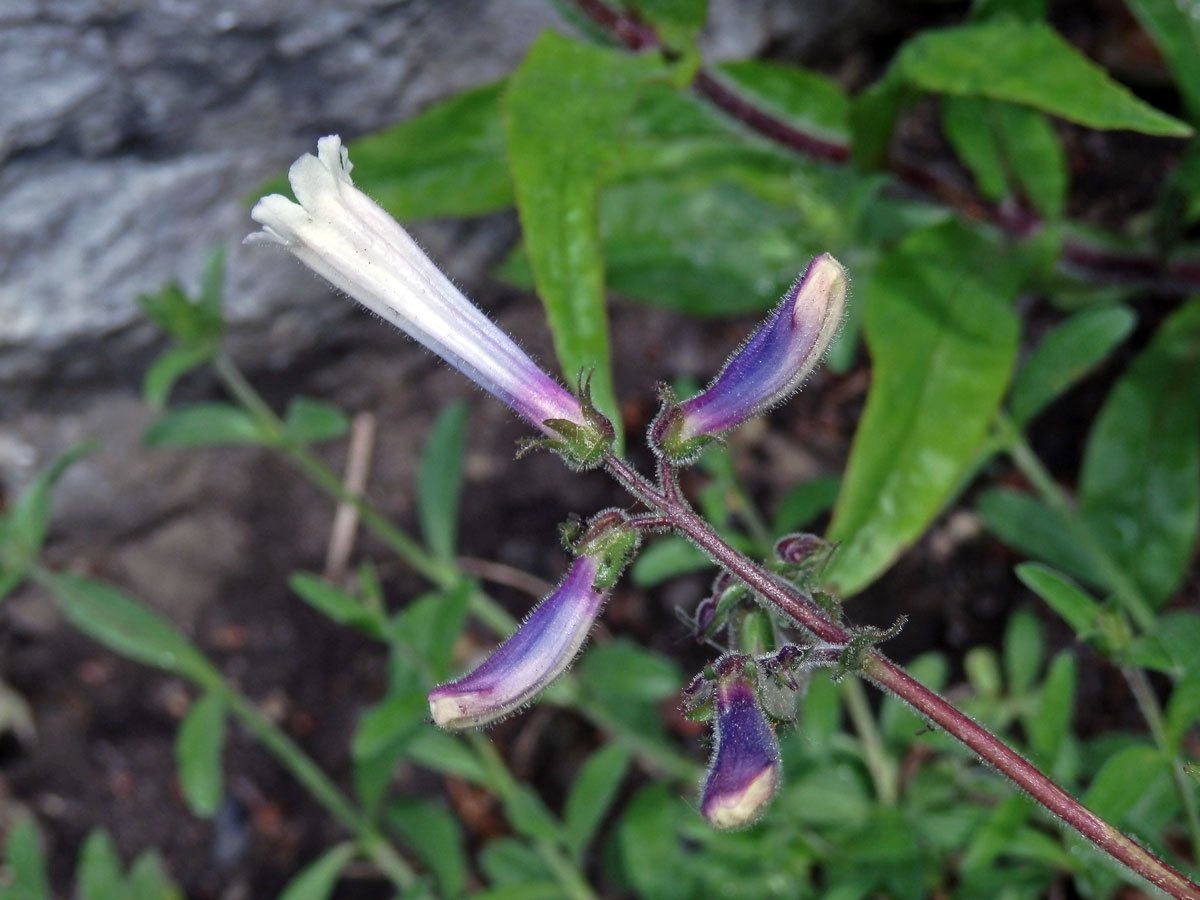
791 602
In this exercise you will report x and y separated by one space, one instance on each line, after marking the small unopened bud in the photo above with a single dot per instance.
745 768
766 370
802 557
537 653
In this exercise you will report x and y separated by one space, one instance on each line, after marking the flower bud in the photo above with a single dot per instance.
537 653
745 767
766 370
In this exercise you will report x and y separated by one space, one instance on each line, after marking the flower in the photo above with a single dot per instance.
537 653
767 369
344 236
744 771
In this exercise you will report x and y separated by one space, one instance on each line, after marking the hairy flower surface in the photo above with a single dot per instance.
768 368
537 653
744 771
344 236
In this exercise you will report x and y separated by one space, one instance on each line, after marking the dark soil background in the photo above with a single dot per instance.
217 532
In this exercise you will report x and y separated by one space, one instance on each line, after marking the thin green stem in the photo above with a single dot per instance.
1029 465
570 878
1147 701
319 785
879 763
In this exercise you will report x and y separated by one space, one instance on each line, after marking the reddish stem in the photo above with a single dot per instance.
891 678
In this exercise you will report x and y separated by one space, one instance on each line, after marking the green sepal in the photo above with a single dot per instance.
582 446
611 540
861 643
666 433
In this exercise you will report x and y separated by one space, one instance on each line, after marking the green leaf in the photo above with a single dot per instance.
194 323
563 112
198 748
508 861
530 817
148 879
449 160
803 98
1122 781
649 844
317 880
205 425
805 502
668 557
943 339
171 365
592 794
1062 595
1030 64
1024 650
434 833
430 625
626 672
1036 530
381 741
127 627
1139 488
1065 356
439 481
26 863
309 421
23 529
1175 28
441 752
966 126
98 872
337 604
1050 724
1183 711
1035 156
673 18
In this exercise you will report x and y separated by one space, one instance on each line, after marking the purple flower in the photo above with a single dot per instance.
341 234
744 771
767 369
536 654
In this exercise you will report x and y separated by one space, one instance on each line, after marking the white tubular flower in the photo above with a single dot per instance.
344 236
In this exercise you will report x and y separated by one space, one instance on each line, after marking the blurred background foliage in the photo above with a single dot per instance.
984 292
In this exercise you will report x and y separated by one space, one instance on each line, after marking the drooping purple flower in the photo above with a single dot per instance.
537 653
744 771
768 368
344 236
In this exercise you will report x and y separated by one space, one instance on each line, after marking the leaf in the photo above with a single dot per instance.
805 99
434 833
592 794
1122 781
1065 356
803 503
148 879
943 339
1036 530
1175 28
27 878
441 752
627 672
129 628
171 365
317 880
1062 595
205 425
1050 724
673 18
965 124
648 842
98 872
198 748
508 861
1030 64
1035 156
1024 650
1183 711
194 323
530 816
449 160
382 740
309 421
563 110
668 557
439 481
337 604
1139 487
23 529
430 625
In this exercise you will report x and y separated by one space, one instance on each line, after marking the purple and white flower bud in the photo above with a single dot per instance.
537 653
344 236
767 369
745 767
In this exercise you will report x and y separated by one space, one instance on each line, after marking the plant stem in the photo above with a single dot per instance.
891 678
574 885
319 785
881 766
